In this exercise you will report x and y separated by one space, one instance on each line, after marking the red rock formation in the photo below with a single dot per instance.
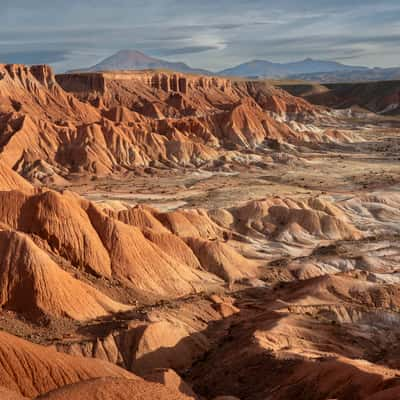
381 97
116 388
133 119
222 260
32 370
203 91
6 394
32 284
291 220
10 180
141 262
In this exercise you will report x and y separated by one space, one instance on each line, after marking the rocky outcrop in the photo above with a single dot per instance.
116 388
222 260
182 94
48 237
113 122
359 98
32 284
165 81
141 262
294 221
32 370
171 337
10 180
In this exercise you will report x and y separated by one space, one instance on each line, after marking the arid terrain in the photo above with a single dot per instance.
381 97
175 236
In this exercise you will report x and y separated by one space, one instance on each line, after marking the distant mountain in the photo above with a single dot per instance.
308 69
372 74
267 69
136 60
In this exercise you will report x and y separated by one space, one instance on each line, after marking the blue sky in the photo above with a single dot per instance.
212 34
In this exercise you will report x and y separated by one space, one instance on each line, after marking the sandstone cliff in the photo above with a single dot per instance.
108 123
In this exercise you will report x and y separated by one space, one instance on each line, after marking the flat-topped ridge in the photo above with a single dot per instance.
161 80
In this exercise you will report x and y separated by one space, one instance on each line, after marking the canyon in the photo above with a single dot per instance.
166 235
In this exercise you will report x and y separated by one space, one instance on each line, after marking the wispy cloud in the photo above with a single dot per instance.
208 34
35 57
185 50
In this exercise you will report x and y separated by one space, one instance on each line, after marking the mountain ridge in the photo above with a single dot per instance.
136 60
307 69
267 69
368 75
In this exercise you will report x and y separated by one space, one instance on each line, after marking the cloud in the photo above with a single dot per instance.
185 50
34 57
208 34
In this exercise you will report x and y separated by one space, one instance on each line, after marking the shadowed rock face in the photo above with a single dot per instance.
31 370
9 180
377 97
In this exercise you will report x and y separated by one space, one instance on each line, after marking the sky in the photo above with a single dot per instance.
211 34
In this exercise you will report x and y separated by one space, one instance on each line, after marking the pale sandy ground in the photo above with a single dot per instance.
368 165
